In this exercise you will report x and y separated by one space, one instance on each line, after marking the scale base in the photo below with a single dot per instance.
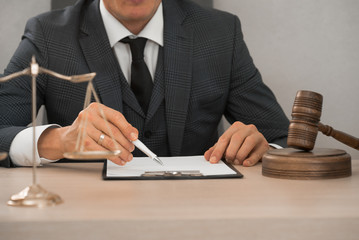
34 196
321 163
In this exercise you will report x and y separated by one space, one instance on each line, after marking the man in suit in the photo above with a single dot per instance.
200 68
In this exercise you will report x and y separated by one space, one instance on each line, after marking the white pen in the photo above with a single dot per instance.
147 151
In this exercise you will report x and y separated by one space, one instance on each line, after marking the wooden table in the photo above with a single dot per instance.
255 207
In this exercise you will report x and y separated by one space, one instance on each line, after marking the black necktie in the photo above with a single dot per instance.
141 80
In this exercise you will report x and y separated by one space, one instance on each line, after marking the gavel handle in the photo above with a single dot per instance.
340 136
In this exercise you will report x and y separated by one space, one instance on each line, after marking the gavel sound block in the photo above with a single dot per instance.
300 161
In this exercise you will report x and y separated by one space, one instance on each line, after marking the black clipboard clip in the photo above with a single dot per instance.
189 173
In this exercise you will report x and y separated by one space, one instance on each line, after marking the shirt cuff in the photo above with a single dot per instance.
21 147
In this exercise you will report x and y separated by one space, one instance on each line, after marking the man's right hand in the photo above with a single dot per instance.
54 142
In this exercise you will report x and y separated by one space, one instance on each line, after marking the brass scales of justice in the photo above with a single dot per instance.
35 195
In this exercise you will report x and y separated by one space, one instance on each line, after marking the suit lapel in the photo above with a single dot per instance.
158 88
100 57
178 72
129 97
177 63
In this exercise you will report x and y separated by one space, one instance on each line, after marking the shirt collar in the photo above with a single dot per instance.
116 31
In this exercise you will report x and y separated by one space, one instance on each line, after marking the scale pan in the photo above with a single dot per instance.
92 154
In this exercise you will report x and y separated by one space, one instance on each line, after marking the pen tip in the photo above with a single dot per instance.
159 160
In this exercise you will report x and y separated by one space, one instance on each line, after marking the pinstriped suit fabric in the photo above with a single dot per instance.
206 72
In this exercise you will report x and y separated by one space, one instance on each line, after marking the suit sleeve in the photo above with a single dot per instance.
250 100
15 95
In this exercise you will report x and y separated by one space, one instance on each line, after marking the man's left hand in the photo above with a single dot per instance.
239 144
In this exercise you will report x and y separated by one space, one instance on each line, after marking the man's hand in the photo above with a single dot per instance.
54 142
240 144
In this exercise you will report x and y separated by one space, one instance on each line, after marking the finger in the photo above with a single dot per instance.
118 120
256 155
252 159
248 145
108 143
91 145
111 145
234 146
219 149
117 160
114 133
208 153
224 141
110 130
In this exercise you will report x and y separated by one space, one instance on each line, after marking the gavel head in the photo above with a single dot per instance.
303 127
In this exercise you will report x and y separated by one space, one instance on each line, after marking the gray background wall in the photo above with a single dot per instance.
13 17
305 44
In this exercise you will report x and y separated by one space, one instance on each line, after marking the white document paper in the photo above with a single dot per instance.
140 165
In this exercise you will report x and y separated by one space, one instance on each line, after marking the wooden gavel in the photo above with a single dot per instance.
305 123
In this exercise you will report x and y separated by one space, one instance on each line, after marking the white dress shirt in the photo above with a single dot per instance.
21 147
153 31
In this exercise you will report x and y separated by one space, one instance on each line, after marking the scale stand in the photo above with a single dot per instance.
35 195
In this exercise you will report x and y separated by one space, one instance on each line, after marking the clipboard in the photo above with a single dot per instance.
188 167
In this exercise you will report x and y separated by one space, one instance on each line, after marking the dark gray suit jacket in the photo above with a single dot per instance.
207 72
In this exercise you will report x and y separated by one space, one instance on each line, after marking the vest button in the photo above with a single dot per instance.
148 134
